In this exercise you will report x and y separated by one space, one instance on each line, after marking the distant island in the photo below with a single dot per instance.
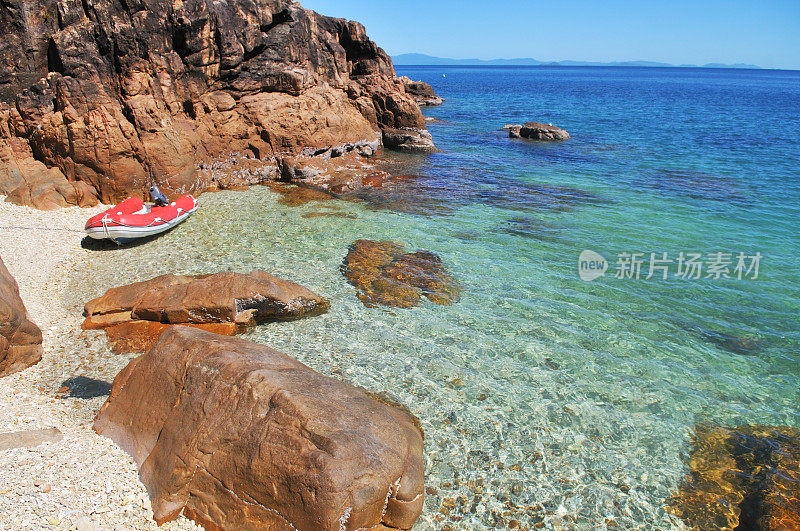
423 59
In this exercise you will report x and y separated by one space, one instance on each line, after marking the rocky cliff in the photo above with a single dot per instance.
99 99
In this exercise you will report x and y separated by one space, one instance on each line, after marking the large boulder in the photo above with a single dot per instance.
117 96
20 339
135 314
236 435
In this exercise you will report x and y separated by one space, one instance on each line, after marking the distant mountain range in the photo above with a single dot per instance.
422 59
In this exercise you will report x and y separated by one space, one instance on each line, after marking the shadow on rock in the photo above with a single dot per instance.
84 387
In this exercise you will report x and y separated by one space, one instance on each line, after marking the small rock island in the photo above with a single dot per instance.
536 131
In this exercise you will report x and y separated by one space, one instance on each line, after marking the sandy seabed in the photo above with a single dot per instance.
84 481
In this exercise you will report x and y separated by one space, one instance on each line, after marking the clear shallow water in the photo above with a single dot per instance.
545 398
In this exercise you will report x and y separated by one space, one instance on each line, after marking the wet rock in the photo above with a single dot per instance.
134 315
236 435
422 92
536 131
385 274
106 99
295 195
741 478
513 130
20 339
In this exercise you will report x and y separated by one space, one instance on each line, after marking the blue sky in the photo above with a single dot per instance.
766 33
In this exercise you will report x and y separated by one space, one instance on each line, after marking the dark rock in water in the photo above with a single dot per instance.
102 99
533 228
236 435
309 215
20 339
536 131
422 92
741 478
293 195
513 130
134 315
536 197
387 275
745 346
696 185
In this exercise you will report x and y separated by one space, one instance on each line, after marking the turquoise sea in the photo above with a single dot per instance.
544 398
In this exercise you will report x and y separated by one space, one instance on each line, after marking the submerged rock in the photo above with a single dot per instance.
20 339
236 435
745 346
422 92
741 478
387 275
134 315
106 98
536 131
696 185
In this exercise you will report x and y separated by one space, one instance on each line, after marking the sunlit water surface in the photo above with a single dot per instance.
545 398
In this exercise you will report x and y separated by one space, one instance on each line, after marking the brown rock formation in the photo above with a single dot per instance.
422 92
387 275
741 478
105 98
239 436
536 131
20 339
134 315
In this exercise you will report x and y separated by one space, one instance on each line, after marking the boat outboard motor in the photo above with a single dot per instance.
158 197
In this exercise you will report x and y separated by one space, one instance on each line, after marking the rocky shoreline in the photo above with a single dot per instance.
46 438
109 99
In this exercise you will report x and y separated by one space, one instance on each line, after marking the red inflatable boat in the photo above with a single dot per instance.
134 219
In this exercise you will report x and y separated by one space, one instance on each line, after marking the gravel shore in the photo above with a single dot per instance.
83 481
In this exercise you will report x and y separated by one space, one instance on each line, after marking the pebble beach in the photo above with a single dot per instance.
82 481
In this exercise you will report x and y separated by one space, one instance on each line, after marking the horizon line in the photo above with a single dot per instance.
531 62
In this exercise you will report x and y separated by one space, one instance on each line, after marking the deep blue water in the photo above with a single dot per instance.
571 400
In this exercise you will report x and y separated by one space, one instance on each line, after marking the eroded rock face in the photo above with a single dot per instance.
385 274
536 131
422 92
20 339
103 99
741 478
239 436
134 315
